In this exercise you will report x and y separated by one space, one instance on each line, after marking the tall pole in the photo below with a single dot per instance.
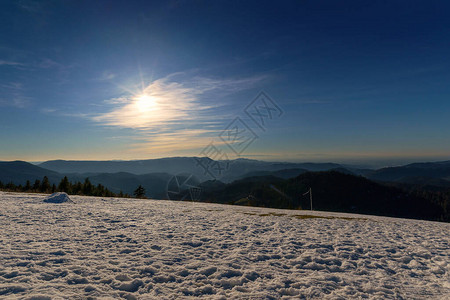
310 196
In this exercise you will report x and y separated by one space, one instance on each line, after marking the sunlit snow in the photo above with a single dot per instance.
145 249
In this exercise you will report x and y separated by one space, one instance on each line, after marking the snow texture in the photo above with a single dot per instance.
105 248
58 198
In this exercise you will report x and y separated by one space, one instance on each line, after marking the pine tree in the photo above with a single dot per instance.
77 188
108 193
27 186
45 185
36 185
100 190
87 187
139 192
64 185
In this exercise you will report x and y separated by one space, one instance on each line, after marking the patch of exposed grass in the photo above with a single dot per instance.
311 217
272 214
301 217
323 217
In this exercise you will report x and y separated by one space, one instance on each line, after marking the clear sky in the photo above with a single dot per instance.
357 81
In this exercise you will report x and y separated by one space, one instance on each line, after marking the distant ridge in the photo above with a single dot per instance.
414 173
20 171
170 165
435 173
174 165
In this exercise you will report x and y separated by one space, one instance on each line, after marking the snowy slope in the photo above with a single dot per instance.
112 248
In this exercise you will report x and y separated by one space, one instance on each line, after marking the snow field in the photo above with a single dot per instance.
102 248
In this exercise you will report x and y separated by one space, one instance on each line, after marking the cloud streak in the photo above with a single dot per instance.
173 111
17 102
14 97
11 63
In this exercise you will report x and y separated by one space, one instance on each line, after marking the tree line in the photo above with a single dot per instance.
77 188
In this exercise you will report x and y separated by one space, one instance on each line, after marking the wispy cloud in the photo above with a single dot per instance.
169 111
312 101
12 85
166 142
48 110
170 102
15 97
47 63
61 113
106 76
30 6
17 101
11 63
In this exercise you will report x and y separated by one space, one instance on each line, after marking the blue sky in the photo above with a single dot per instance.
358 81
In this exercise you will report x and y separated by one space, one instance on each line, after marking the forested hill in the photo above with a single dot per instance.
333 191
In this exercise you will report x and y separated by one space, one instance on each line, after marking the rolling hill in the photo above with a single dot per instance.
332 191
236 169
437 173
19 172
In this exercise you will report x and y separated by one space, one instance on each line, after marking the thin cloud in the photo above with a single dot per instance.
31 6
48 63
14 95
20 102
173 102
12 86
172 109
17 102
48 110
11 63
75 115
165 142
106 76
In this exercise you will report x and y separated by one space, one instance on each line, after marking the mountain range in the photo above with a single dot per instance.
154 174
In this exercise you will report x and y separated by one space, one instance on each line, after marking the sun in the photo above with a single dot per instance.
145 103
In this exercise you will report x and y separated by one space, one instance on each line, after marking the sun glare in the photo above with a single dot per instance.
145 103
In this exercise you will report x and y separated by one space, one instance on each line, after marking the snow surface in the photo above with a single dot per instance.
142 249
57 198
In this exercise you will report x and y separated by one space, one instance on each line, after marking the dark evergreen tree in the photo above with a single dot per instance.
27 186
139 192
36 185
64 185
77 188
87 187
53 188
45 185
100 190
108 193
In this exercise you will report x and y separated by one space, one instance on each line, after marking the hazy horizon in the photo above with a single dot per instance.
372 163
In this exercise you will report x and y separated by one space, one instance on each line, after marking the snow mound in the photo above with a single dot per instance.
58 198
